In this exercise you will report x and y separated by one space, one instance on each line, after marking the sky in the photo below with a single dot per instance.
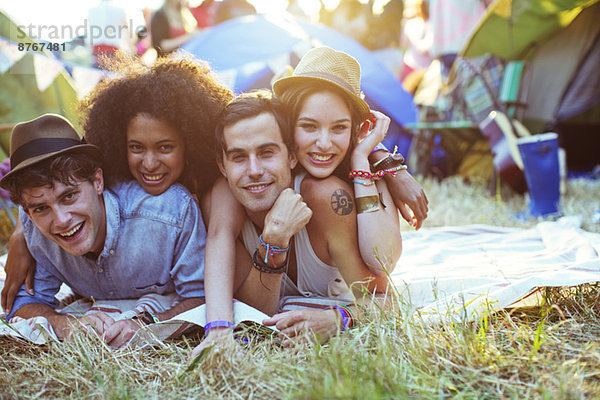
62 13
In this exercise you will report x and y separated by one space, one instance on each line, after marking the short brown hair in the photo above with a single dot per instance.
248 105
66 168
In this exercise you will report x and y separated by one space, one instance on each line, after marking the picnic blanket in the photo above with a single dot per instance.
464 268
442 271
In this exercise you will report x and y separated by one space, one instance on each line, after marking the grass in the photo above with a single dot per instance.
545 352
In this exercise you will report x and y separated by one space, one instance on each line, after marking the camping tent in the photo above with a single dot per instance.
561 41
31 83
247 51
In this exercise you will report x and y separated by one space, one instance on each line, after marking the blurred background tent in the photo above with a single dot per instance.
246 52
559 41
31 83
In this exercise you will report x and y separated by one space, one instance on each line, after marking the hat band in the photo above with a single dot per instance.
333 78
41 146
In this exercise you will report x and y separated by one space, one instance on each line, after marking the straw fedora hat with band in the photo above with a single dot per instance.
324 64
39 139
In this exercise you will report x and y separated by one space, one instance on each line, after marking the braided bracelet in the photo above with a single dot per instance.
368 175
360 174
271 250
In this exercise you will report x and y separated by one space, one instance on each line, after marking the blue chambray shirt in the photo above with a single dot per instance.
154 244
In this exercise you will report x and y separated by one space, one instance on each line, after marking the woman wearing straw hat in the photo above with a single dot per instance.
329 117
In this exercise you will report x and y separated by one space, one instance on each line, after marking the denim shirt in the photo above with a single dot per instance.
154 244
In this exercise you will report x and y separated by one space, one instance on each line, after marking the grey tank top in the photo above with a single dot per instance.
315 278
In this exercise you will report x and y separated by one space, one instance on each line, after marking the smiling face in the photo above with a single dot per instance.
322 133
155 153
72 216
256 162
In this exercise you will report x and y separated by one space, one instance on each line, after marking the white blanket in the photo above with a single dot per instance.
442 270
466 267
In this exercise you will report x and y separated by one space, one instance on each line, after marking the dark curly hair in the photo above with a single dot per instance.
181 92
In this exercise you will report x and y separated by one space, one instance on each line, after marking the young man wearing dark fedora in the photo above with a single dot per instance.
106 244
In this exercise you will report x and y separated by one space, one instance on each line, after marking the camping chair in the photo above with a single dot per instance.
474 93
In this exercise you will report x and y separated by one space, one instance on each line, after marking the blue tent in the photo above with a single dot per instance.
246 52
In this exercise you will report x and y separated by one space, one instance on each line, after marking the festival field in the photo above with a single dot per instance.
546 351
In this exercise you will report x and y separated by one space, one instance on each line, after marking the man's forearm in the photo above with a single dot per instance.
184 305
60 323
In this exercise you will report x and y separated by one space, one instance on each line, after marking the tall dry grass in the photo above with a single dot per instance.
548 351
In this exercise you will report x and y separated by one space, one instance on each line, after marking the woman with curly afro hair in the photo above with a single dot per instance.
156 124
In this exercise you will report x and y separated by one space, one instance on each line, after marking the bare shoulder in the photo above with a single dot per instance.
329 197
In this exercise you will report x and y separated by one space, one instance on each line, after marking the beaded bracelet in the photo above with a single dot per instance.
344 317
271 250
398 168
262 266
217 324
364 183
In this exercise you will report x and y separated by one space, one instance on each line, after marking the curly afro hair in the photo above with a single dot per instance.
181 92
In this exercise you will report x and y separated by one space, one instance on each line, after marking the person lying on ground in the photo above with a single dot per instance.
119 243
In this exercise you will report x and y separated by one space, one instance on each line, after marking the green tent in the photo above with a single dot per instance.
560 41
20 96
513 29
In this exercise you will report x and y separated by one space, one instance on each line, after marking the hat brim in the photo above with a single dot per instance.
283 84
90 149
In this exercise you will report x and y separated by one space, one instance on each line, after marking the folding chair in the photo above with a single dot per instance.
475 92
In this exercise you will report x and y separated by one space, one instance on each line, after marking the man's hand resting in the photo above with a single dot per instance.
288 215
297 324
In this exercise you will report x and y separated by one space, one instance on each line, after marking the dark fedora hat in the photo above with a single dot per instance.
39 139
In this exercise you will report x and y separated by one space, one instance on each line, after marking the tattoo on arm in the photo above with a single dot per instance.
341 202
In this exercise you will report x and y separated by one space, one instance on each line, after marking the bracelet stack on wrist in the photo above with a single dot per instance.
348 320
262 266
272 250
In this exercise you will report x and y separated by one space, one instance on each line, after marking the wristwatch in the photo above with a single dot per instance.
392 160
